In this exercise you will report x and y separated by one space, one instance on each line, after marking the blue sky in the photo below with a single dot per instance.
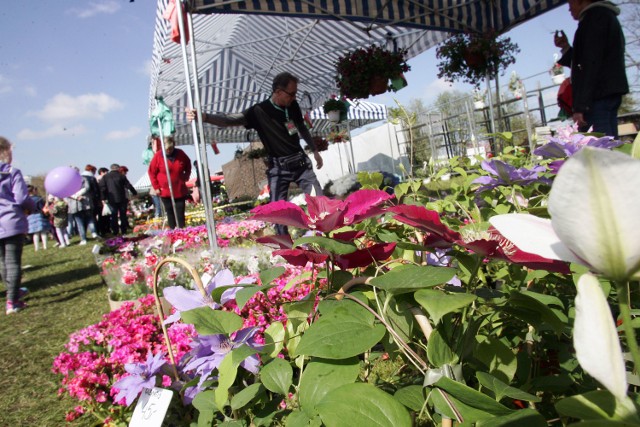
74 80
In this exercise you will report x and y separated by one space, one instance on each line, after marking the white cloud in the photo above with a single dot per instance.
88 106
53 131
146 69
123 134
5 84
31 91
96 8
435 88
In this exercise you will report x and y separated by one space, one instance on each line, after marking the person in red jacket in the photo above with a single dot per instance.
179 171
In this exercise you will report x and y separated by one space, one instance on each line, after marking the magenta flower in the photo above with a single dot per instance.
324 214
142 375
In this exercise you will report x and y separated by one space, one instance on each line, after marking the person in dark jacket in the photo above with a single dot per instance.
179 166
598 76
14 201
113 191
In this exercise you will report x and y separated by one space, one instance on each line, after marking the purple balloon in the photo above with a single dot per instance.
63 181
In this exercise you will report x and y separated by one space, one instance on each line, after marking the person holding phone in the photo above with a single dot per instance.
596 59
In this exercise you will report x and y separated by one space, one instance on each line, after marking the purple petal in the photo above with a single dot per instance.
183 299
251 364
222 278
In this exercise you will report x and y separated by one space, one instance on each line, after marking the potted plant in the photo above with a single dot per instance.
367 71
478 98
470 57
336 108
338 135
515 85
557 73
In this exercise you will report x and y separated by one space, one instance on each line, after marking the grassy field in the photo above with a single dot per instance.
66 294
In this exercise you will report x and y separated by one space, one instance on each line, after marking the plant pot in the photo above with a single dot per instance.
378 85
558 78
474 60
478 105
334 116
116 305
398 82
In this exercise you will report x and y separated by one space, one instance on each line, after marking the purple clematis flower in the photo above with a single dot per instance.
184 299
558 148
142 375
506 174
209 350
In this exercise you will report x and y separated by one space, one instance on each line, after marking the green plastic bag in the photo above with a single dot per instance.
164 114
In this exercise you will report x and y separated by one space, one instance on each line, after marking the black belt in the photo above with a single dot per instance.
291 162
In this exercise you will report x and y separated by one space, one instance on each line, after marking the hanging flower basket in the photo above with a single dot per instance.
470 57
474 59
367 71
378 85
336 108
334 116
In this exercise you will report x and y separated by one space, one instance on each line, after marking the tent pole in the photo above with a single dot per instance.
196 126
353 159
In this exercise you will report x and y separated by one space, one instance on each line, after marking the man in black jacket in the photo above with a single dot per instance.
598 76
113 191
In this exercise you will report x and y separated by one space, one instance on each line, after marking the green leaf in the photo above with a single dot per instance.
206 407
411 396
524 417
244 396
227 371
536 309
594 405
245 294
300 419
267 276
339 335
208 321
439 351
470 403
497 357
361 404
409 278
273 339
298 312
277 376
438 303
321 376
330 245
501 389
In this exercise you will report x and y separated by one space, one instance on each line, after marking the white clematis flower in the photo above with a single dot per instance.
594 205
596 340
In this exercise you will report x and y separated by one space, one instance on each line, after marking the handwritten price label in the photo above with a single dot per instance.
151 408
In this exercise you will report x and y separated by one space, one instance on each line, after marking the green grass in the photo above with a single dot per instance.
66 294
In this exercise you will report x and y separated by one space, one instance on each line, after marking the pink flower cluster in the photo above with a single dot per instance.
262 310
230 232
95 356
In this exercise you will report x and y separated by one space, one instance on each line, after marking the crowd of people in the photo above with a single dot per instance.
83 213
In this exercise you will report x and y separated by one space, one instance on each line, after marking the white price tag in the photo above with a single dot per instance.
151 408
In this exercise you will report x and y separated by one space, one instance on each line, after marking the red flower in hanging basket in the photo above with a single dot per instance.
359 69
470 57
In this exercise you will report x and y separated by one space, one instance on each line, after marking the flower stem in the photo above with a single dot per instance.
629 332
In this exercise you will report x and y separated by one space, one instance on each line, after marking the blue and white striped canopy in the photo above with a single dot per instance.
241 45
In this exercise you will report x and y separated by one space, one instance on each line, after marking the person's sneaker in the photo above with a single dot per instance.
14 307
94 236
22 292
82 242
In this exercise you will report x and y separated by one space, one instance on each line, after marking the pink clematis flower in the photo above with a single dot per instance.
324 214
